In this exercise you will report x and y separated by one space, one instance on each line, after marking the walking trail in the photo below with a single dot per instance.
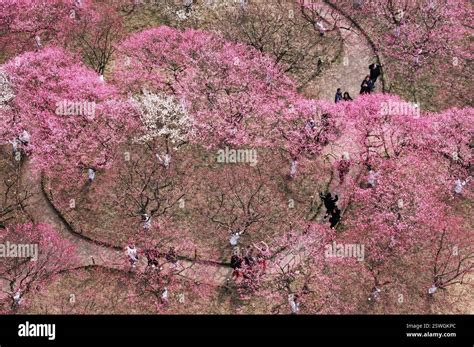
357 55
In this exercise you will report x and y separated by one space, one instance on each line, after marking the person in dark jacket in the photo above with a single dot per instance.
346 97
235 261
338 95
329 202
366 86
335 217
375 71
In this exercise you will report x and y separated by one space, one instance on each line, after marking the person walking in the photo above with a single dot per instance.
294 304
335 217
236 263
152 257
90 175
24 138
132 254
293 168
338 96
164 296
375 71
14 144
17 298
262 254
321 28
234 238
372 178
343 167
171 256
329 202
310 125
146 219
165 160
249 258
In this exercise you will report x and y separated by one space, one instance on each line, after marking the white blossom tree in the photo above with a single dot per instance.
6 91
163 116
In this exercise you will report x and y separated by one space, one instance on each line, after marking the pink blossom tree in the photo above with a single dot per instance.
304 277
71 117
281 29
88 27
40 254
234 93
402 209
92 29
414 40
27 25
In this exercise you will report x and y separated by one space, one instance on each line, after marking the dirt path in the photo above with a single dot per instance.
355 60
42 212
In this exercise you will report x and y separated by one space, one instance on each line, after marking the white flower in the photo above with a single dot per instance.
162 115
6 91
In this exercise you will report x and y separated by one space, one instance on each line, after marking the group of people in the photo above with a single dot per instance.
342 97
332 210
152 255
368 84
250 261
